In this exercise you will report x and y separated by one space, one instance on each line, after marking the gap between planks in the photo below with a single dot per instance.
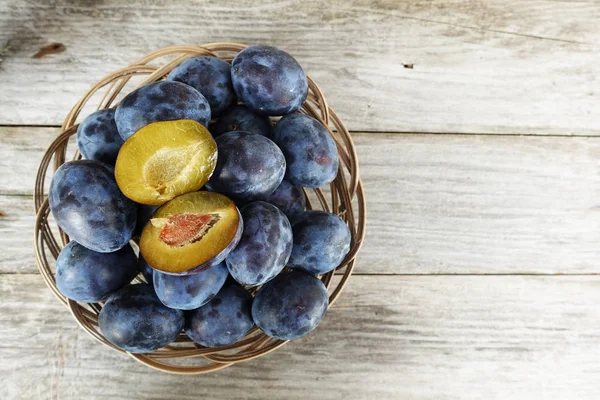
388 132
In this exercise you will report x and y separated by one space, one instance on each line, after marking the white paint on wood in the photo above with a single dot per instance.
477 66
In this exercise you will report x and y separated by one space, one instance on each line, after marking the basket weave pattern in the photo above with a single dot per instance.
346 199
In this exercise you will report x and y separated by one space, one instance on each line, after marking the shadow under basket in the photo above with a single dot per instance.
344 197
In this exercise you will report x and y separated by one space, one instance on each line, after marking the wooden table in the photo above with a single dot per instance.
476 125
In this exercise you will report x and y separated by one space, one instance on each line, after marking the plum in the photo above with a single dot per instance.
290 306
249 167
224 320
310 152
88 276
160 101
269 80
321 241
190 233
288 198
165 159
98 137
88 205
144 214
265 246
146 270
210 76
241 118
135 320
186 292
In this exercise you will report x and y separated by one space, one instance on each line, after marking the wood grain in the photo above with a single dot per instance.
437 204
477 66
387 338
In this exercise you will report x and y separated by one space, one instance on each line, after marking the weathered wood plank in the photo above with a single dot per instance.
21 151
387 338
437 203
437 66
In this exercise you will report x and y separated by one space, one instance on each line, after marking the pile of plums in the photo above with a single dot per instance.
194 169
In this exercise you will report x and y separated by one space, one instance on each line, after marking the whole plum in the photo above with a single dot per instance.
223 320
290 306
309 149
241 118
265 246
321 241
288 198
249 166
210 76
88 276
269 80
135 320
146 270
88 205
145 212
98 137
160 101
186 292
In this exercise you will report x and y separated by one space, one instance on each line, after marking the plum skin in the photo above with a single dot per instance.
189 291
265 245
310 152
269 80
224 320
98 137
321 241
135 320
210 76
145 212
88 276
288 198
249 166
145 268
160 101
241 118
290 306
87 204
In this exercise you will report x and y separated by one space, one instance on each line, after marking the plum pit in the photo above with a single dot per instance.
183 229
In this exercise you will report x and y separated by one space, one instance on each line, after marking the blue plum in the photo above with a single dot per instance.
269 80
290 306
310 152
249 166
98 137
135 320
88 276
210 76
160 101
241 118
265 246
88 205
144 214
186 292
321 241
288 198
146 270
223 320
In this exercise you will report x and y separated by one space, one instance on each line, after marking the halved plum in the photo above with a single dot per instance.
165 159
191 233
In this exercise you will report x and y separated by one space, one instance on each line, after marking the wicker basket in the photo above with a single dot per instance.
184 356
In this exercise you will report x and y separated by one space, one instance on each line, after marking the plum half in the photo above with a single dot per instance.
165 159
191 233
